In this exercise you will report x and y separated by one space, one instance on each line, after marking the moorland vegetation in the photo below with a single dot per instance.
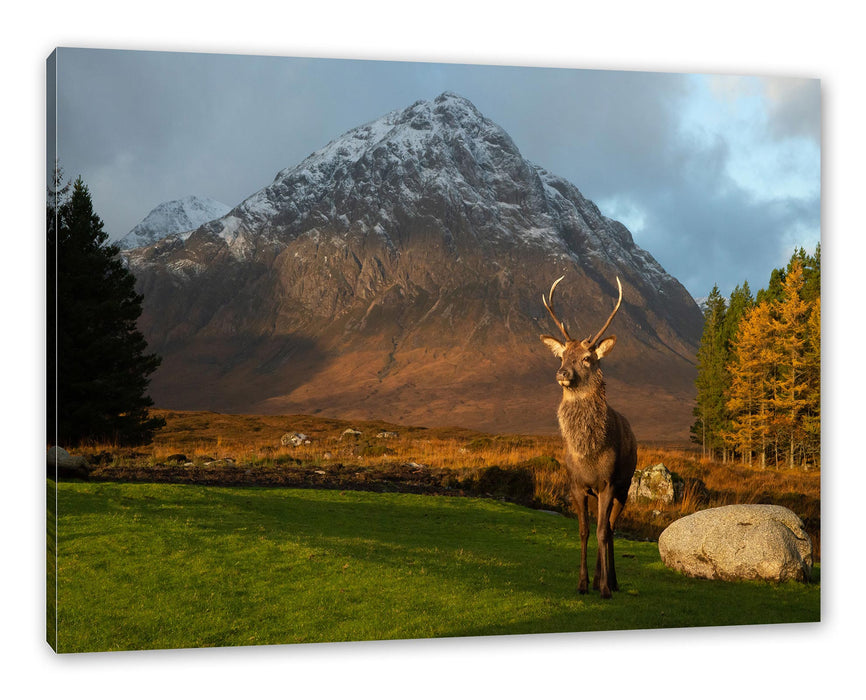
222 449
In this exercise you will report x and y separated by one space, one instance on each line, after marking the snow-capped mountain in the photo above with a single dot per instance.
175 217
397 273
434 151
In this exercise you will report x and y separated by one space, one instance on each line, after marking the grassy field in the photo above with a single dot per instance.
144 565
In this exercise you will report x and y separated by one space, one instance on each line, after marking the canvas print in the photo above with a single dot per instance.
346 350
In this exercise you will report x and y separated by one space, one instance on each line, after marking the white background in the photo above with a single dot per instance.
822 40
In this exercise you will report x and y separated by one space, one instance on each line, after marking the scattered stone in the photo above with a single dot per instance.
351 433
327 455
739 542
294 439
415 466
63 464
177 458
388 435
655 483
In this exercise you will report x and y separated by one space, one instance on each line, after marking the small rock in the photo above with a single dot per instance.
350 433
388 435
654 483
63 464
294 439
415 466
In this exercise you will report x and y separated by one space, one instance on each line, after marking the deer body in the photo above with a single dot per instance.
600 447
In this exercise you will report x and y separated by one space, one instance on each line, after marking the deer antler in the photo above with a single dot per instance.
609 318
549 307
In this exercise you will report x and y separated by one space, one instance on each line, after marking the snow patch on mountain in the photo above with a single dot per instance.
175 217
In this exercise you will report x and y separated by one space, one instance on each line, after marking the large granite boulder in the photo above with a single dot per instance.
739 542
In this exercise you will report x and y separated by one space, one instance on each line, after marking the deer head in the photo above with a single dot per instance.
580 358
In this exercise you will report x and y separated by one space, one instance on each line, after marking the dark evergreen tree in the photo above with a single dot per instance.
712 381
812 276
740 302
811 267
98 367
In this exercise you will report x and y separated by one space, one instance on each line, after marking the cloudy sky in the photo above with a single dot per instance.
717 176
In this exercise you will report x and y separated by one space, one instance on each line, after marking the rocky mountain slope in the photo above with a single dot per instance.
397 274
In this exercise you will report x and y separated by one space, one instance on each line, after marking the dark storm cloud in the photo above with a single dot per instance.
142 128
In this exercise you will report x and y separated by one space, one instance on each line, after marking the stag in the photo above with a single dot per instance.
600 448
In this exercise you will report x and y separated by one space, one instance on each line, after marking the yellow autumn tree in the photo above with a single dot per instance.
793 386
750 400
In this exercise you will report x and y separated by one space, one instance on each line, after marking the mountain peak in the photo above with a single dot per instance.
175 216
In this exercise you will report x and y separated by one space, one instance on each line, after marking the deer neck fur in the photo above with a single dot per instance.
583 416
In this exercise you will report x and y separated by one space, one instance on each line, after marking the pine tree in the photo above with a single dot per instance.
812 276
98 368
712 379
740 302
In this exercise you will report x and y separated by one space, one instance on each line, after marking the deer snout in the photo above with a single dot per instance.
564 376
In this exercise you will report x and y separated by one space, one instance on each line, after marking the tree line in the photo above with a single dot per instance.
759 370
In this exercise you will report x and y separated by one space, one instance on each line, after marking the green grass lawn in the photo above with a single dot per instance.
144 566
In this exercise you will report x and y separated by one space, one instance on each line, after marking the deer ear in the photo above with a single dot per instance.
605 346
555 346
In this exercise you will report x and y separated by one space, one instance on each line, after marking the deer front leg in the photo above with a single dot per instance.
581 505
614 514
605 536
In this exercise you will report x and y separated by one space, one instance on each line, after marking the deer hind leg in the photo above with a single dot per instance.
604 533
581 505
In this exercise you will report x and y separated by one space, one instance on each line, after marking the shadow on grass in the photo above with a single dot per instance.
230 566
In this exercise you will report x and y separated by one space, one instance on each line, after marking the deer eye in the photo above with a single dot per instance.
586 361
